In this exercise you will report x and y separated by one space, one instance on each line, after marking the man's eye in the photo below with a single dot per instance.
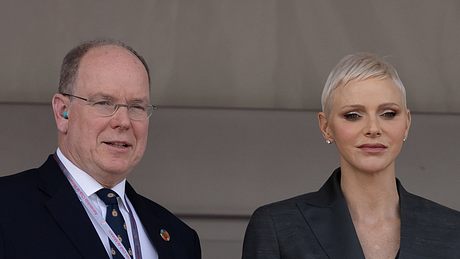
102 103
352 116
137 107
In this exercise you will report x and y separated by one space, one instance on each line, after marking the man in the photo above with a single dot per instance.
70 207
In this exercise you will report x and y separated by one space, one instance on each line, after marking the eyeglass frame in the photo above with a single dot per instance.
148 108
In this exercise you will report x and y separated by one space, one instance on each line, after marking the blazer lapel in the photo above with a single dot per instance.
411 229
152 223
327 215
68 212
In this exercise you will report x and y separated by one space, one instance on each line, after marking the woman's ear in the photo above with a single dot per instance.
324 127
60 105
408 125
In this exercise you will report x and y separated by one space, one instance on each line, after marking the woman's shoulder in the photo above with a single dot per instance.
328 194
429 228
286 208
428 210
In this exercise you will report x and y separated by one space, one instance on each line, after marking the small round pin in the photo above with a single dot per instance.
165 235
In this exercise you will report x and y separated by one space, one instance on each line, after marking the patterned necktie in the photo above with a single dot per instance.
115 221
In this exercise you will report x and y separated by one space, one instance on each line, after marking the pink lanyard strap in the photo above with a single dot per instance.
99 219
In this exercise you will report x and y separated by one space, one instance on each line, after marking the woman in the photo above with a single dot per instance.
362 211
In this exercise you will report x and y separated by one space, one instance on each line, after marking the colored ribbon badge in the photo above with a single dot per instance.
165 235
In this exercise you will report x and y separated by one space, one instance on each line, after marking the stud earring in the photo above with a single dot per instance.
328 141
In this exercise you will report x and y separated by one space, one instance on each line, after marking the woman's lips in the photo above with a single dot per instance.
373 148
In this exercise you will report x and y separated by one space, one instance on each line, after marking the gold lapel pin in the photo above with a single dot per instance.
165 235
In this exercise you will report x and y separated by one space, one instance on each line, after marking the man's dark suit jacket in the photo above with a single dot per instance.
318 225
41 217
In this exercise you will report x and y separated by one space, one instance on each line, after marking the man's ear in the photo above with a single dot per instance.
60 105
324 127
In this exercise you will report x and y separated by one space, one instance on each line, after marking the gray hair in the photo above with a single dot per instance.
71 62
359 66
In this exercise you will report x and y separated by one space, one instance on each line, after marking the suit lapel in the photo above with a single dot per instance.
410 227
327 215
68 212
152 223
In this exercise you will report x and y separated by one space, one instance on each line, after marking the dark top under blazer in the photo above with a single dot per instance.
318 225
41 217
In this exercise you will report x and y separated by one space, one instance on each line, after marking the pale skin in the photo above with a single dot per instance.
368 123
106 148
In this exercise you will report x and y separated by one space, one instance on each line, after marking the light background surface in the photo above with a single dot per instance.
238 53
238 83
213 167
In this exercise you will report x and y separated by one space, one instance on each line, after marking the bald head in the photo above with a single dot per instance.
71 63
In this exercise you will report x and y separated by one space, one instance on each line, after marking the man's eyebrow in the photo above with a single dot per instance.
139 100
111 98
102 96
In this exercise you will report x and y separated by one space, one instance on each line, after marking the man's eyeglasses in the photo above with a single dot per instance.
107 108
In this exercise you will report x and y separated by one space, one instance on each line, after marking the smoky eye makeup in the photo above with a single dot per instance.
389 114
351 116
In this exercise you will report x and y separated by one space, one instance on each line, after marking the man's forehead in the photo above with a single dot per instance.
117 96
109 53
105 59
107 68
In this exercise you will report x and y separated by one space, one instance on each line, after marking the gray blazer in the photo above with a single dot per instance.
319 225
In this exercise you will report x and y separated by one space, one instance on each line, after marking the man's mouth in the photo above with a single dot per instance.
117 144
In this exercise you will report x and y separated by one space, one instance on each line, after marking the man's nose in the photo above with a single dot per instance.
121 117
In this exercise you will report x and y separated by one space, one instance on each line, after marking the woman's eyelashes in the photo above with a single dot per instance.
389 114
353 116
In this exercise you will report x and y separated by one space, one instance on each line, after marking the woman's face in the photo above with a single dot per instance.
368 123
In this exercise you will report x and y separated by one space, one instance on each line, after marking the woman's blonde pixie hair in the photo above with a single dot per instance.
358 67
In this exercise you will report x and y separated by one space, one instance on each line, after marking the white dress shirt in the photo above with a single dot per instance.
90 186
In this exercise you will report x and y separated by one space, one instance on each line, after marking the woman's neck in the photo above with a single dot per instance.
370 196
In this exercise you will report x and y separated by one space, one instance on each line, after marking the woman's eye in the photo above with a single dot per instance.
352 116
389 114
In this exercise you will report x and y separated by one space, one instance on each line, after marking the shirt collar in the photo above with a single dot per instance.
87 183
